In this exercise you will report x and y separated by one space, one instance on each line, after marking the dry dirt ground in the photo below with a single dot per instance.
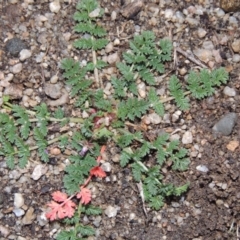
210 209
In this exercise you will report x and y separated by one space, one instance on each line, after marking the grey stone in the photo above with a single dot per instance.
14 46
225 124
111 211
18 212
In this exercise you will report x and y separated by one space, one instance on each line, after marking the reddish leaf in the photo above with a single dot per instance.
85 195
69 208
97 172
60 210
59 196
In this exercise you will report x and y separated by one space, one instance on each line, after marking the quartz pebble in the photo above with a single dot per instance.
229 91
18 200
236 45
187 138
113 58
55 6
111 211
38 171
202 168
18 212
17 68
154 118
236 58
142 89
25 54
201 33
106 167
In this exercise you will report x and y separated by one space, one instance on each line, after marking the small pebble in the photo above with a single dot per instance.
29 216
236 58
18 200
225 124
17 68
25 54
18 212
113 15
95 13
187 138
236 45
111 211
55 6
106 167
142 89
14 46
232 145
201 33
38 171
113 58
202 168
229 91
154 118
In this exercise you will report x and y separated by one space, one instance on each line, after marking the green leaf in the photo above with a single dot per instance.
59 113
176 91
132 108
156 202
126 71
137 171
125 158
125 140
85 230
91 210
10 161
147 76
118 85
155 102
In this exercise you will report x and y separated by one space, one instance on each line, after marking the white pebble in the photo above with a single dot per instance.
116 42
229 91
113 58
106 167
236 45
154 118
111 211
220 13
180 17
54 79
201 33
18 212
142 89
38 171
113 15
55 6
187 138
202 168
94 13
109 47
236 58
18 200
25 54
168 13
17 68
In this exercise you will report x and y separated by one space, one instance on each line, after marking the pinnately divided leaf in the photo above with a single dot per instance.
178 94
132 108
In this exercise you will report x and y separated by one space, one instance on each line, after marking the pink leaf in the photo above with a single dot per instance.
85 195
59 196
97 172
